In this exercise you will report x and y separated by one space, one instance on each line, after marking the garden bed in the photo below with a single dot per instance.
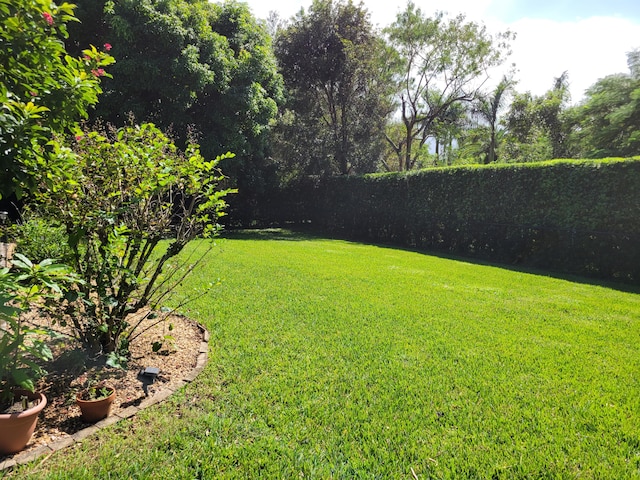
73 365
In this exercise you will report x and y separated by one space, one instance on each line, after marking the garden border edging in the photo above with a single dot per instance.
79 436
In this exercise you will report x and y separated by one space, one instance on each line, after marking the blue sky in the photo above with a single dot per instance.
588 38
564 10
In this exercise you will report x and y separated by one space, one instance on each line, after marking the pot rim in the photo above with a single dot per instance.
110 396
29 411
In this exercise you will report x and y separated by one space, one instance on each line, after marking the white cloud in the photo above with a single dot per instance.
285 8
588 49
383 12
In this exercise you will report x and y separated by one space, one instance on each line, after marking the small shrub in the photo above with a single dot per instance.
38 238
130 201
27 285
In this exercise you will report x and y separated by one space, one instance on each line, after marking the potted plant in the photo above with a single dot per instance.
22 346
19 422
95 402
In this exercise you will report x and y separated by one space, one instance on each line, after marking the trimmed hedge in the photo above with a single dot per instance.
574 216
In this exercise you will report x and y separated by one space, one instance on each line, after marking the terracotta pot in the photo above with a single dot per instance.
94 410
16 429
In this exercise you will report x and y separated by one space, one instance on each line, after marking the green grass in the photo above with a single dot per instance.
332 359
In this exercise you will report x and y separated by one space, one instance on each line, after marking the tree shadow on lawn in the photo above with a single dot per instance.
302 233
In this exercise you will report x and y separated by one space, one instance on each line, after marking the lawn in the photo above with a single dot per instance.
332 359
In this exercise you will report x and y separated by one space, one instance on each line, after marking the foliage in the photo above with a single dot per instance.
525 138
124 192
338 80
609 116
345 360
486 110
21 345
395 128
551 109
38 237
539 128
444 62
190 67
96 392
444 130
42 89
529 214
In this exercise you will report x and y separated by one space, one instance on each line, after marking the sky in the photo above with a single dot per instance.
587 38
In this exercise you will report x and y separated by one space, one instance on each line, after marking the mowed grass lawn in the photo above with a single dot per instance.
332 359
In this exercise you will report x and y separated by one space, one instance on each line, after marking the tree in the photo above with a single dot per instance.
525 138
633 61
338 85
43 90
609 116
193 67
444 129
274 23
487 109
160 68
551 108
444 62
539 128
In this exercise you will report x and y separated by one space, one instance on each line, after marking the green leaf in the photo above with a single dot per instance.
116 360
21 377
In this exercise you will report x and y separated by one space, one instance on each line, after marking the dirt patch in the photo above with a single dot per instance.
73 367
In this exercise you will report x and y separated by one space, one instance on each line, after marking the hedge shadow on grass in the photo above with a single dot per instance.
306 233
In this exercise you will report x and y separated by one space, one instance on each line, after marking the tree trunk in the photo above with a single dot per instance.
491 157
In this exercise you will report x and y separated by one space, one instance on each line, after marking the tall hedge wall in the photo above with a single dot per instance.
573 216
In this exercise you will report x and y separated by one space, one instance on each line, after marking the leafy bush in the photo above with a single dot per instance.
122 193
20 344
39 238
42 89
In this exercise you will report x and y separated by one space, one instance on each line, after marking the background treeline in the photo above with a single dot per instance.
325 94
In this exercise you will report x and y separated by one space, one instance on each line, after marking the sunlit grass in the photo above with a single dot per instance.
332 359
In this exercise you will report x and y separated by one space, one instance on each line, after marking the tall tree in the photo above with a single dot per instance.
633 61
444 129
445 61
338 85
483 134
551 108
609 116
526 139
274 23
539 127
488 107
193 67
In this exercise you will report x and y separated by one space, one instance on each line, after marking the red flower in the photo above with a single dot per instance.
47 16
98 72
78 138
107 46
